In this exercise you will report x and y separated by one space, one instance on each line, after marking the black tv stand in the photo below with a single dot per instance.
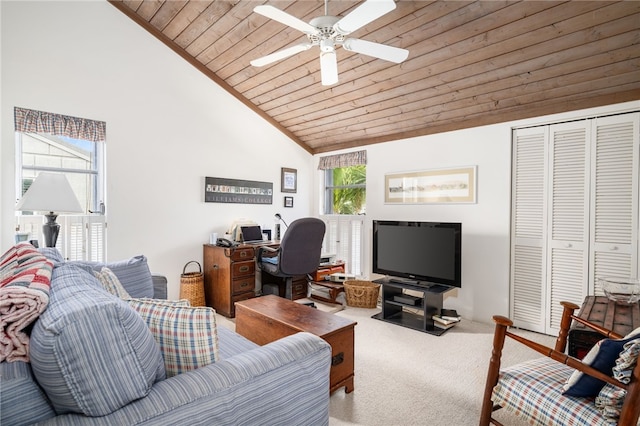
394 311
399 280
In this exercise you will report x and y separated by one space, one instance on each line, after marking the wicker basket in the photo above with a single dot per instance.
361 294
192 285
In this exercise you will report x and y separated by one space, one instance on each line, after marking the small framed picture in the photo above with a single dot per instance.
288 201
289 180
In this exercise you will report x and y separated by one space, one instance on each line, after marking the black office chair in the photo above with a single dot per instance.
298 254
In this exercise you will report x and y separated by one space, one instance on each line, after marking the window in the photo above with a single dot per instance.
345 190
345 178
65 150
344 206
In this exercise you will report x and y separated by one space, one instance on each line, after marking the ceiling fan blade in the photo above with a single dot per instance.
329 68
377 50
281 54
284 18
367 12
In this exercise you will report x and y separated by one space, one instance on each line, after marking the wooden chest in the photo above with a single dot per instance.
621 318
229 276
269 318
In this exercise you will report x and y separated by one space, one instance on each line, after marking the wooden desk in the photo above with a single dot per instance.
229 275
269 318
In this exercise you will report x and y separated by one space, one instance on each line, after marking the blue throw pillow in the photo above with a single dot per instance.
133 274
602 357
91 352
52 254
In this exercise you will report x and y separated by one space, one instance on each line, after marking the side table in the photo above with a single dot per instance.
620 318
321 289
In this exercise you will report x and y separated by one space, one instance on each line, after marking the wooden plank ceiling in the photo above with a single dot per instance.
470 63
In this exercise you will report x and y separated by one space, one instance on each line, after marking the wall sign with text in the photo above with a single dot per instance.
222 190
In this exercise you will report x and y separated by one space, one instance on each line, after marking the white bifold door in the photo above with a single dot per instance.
574 214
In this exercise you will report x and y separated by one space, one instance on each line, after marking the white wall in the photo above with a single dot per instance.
485 224
168 127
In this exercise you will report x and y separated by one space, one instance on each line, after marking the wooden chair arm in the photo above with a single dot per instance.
563 358
605 332
558 354
630 409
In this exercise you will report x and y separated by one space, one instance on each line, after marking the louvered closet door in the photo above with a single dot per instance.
568 224
614 203
527 298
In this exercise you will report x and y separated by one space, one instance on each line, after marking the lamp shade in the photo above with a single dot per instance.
50 192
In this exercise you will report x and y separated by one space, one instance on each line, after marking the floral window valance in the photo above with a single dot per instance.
342 160
31 121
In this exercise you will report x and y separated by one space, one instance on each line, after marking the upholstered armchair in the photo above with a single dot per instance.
602 388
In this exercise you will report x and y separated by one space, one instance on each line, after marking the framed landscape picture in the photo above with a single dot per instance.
289 180
455 185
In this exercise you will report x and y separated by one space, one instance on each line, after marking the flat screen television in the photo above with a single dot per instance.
419 253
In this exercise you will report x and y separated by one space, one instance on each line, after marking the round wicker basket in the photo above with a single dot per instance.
192 286
361 294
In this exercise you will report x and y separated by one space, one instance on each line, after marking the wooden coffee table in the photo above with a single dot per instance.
269 318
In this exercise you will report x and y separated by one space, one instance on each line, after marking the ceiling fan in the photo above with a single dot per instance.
329 32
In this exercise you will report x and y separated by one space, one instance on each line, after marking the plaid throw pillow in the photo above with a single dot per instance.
187 335
111 283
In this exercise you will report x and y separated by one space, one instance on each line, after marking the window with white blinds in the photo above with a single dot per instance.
75 147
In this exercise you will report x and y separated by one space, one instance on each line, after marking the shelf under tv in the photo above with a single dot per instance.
395 312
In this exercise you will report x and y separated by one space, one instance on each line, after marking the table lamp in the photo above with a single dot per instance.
50 192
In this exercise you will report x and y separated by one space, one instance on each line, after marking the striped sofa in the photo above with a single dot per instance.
93 363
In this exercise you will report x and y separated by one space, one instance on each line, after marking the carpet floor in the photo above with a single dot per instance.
405 377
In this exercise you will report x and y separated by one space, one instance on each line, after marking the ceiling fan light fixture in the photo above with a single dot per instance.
328 31
329 68
327 45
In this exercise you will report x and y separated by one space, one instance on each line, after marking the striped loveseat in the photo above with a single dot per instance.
92 362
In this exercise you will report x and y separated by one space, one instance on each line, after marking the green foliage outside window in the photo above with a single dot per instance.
349 190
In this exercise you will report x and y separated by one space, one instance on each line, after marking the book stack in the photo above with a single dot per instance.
447 319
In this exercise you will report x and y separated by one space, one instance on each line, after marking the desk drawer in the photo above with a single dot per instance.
299 289
243 269
243 285
239 255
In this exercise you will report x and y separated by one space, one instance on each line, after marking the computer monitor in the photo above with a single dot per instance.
251 234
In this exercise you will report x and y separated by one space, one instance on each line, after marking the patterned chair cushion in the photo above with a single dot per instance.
90 352
187 335
533 390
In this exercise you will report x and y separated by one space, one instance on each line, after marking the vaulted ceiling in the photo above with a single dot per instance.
470 63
